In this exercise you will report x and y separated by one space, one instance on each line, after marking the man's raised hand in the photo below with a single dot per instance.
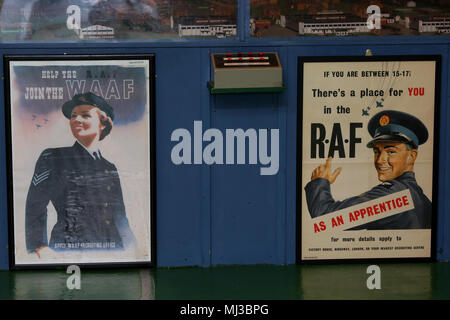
324 171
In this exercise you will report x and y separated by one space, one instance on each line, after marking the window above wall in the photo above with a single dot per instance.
90 20
141 20
306 18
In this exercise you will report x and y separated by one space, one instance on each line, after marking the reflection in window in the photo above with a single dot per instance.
290 18
206 18
116 19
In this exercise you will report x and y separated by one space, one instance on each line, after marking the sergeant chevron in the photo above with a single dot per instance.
38 178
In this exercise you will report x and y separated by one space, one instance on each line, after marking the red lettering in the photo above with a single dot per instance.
338 221
416 91
405 200
333 223
351 217
399 202
363 212
369 211
316 228
375 209
382 208
322 226
389 204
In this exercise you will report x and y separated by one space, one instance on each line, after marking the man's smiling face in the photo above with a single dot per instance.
392 159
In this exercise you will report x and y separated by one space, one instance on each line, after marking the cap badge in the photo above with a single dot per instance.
384 120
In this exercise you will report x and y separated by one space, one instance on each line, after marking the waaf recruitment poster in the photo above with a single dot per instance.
367 157
80 159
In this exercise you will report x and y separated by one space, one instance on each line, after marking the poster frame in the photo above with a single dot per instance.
150 57
299 165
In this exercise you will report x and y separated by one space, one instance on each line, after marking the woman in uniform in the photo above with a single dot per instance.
83 187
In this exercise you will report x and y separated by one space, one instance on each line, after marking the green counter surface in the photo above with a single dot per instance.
400 281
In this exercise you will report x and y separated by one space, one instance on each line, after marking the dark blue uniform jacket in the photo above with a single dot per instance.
87 196
320 201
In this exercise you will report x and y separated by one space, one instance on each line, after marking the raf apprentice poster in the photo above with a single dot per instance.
80 160
368 148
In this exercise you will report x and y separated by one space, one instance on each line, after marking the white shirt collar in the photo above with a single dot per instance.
91 150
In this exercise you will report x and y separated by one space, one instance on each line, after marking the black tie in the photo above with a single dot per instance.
96 156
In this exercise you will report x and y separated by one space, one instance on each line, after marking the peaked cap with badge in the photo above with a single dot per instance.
90 99
397 126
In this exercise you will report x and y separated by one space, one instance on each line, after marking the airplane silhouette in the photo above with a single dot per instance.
38 126
379 104
365 112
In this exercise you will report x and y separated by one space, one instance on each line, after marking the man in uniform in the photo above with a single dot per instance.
83 187
396 138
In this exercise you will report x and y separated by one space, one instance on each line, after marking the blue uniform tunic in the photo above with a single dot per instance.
320 202
87 196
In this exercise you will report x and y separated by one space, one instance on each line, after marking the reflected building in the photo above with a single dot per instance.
326 23
220 27
434 24
205 18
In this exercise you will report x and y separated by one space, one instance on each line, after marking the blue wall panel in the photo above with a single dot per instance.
443 231
182 222
3 189
245 215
